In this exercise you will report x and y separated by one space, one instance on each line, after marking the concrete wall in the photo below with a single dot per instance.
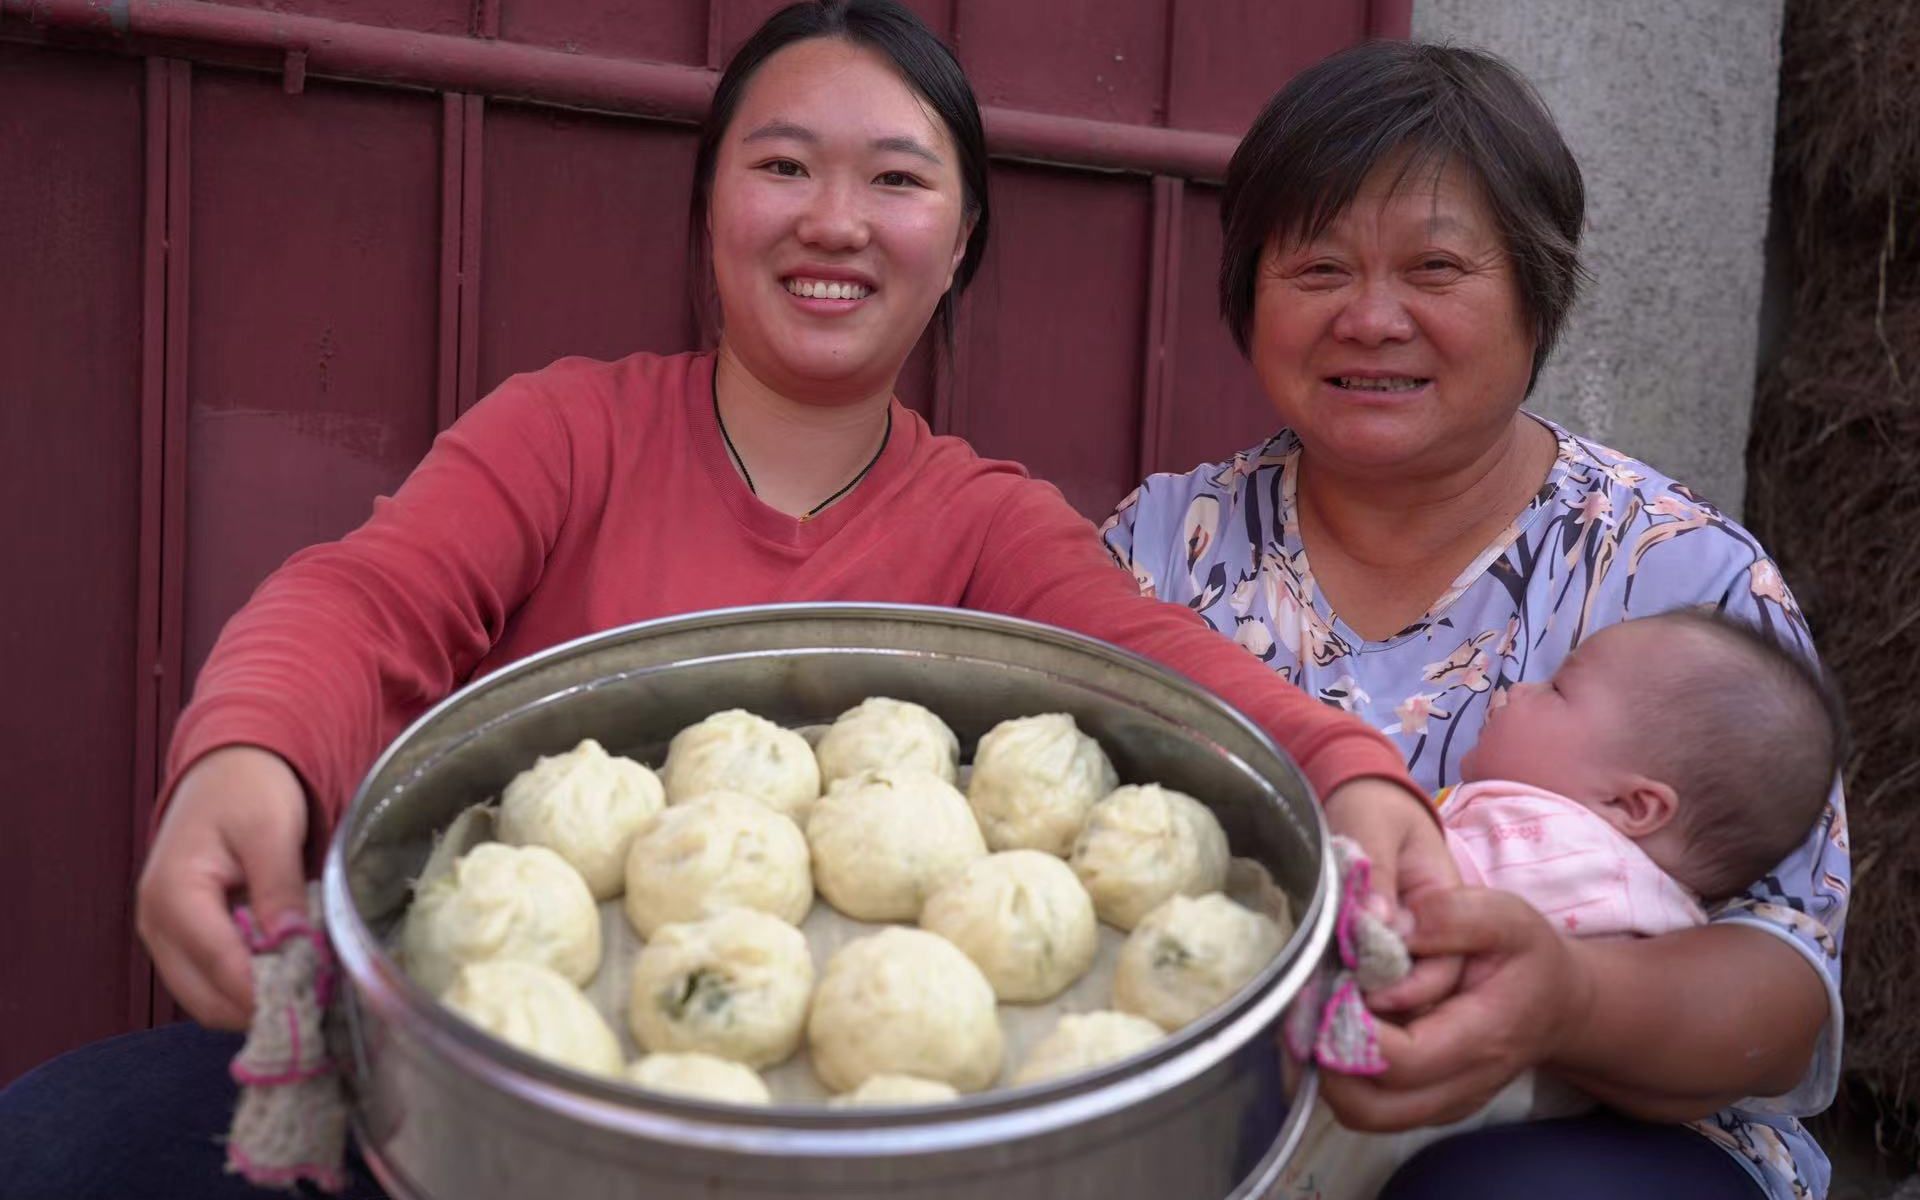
1670 110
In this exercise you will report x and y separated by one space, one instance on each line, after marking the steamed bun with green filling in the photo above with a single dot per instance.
735 985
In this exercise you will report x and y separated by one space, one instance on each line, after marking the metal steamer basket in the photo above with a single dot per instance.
442 1111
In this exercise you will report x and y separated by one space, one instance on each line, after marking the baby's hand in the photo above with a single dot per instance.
1400 835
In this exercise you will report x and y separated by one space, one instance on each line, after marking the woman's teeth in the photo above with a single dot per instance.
1398 383
827 289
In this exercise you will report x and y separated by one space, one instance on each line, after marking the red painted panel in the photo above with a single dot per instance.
311 360
71 200
663 31
1051 371
585 245
1214 403
431 16
734 21
1229 56
1105 60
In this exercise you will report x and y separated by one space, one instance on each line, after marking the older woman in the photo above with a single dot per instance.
1401 227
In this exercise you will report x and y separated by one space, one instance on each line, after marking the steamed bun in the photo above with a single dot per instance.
533 1009
716 852
904 1002
880 734
735 985
500 902
884 841
1188 955
736 751
1143 844
1024 920
586 806
1034 778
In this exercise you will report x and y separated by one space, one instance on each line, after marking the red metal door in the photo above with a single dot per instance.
253 255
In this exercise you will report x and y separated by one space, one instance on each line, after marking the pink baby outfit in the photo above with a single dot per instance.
1563 858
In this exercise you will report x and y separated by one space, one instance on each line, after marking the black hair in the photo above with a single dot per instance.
924 63
1421 106
1754 770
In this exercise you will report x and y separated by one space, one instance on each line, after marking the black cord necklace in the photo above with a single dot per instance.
747 475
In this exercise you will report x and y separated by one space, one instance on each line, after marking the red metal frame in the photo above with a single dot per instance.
153 365
1163 284
168 682
489 67
452 148
472 127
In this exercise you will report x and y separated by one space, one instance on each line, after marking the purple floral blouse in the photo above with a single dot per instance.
1606 538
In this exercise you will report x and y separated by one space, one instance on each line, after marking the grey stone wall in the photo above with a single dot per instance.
1670 109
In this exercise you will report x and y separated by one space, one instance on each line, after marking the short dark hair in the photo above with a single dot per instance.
1751 735
1320 138
923 61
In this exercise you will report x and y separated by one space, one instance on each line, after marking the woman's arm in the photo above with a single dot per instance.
1043 561
1698 1044
1670 1028
331 657
350 640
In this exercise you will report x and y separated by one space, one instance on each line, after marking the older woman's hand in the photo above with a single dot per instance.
1398 832
1524 990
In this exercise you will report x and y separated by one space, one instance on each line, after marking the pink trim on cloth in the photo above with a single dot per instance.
291 1121
1564 859
323 1176
1329 1023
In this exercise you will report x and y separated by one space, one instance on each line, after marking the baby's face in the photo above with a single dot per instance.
1572 734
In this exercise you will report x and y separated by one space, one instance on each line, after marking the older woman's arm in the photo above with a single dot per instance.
1698 1045
1670 1028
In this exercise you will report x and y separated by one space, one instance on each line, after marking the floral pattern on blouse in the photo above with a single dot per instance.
1606 538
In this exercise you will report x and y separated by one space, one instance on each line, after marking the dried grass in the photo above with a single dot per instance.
1834 480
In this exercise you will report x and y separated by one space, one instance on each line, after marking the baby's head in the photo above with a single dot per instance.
1698 737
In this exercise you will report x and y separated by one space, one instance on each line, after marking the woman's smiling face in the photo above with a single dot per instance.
1395 339
837 222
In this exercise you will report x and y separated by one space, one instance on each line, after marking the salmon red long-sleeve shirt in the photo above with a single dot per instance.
590 495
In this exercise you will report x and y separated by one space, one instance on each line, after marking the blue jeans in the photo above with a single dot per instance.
1600 1156
138 1117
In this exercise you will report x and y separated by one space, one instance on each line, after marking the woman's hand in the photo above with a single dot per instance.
1398 832
1524 992
237 823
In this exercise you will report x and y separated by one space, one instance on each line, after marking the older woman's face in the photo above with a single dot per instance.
1396 339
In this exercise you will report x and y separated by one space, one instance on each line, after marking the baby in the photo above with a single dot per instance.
1669 763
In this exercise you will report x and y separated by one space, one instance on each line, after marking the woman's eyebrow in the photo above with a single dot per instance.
777 129
782 129
907 145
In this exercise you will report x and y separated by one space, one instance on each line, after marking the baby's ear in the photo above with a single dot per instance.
1644 806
